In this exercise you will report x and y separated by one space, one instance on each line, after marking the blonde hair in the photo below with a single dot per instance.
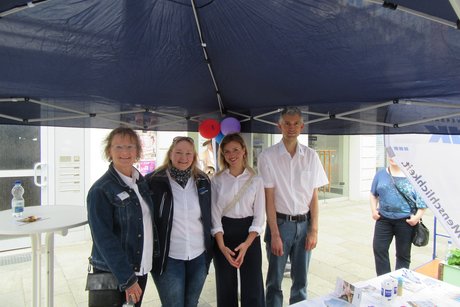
167 161
123 131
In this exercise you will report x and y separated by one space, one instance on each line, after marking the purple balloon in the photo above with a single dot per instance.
230 125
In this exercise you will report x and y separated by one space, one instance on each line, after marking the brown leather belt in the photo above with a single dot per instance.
292 218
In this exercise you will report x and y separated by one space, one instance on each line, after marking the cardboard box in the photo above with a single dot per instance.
430 268
449 273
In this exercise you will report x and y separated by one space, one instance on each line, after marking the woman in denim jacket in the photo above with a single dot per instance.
182 196
120 215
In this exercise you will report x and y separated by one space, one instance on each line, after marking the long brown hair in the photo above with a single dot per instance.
167 161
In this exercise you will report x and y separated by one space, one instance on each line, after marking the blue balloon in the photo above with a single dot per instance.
219 137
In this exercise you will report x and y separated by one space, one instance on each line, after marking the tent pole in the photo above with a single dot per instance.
11 117
418 14
429 119
17 9
206 58
456 6
429 104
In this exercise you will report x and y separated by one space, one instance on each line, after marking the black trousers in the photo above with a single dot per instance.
384 231
252 287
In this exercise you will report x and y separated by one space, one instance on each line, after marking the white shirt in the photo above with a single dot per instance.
187 235
294 178
147 250
224 188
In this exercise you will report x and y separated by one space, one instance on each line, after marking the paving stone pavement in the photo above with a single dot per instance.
344 250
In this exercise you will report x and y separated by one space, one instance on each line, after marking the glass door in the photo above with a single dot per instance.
20 151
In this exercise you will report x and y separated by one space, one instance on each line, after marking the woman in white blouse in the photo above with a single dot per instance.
238 214
181 195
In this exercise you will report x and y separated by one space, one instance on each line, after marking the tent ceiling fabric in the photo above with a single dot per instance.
352 66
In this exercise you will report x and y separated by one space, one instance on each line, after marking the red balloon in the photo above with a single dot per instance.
209 128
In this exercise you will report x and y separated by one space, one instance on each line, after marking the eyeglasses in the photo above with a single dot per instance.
178 139
129 147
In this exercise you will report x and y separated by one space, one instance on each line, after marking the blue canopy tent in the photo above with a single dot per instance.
352 66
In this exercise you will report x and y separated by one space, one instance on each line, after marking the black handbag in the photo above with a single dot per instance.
421 235
101 281
102 289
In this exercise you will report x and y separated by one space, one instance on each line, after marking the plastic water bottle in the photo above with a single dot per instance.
387 289
17 203
400 286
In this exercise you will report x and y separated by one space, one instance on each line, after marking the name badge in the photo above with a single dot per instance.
123 195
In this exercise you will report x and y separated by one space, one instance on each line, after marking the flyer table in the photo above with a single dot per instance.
418 291
51 220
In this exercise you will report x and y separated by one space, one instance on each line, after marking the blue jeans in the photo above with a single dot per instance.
181 283
384 231
293 235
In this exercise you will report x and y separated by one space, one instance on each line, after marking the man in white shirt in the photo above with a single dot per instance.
292 174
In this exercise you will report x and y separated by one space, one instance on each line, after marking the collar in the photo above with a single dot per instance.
129 181
299 149
244 173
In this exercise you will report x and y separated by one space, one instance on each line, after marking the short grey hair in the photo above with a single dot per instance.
291 111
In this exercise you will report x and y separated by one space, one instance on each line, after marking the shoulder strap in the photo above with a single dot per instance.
90 265
237 196
407 198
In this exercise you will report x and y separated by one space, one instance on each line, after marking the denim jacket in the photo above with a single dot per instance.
164 209
115 220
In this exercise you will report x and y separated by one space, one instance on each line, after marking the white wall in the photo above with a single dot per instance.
96 164
363 156
69 160
75 153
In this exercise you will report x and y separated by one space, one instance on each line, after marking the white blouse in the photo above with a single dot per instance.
187 235
147 250
252 203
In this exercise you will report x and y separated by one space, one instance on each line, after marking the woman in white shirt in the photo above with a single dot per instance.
181 195
238 214
120 216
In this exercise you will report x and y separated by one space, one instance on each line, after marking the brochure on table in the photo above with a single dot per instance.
418 290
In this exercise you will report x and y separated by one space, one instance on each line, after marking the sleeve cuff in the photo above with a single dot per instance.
255 229
131 281
216 230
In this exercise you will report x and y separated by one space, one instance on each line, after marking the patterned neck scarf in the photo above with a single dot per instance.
181 177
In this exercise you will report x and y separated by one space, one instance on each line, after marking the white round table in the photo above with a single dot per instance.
54 219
